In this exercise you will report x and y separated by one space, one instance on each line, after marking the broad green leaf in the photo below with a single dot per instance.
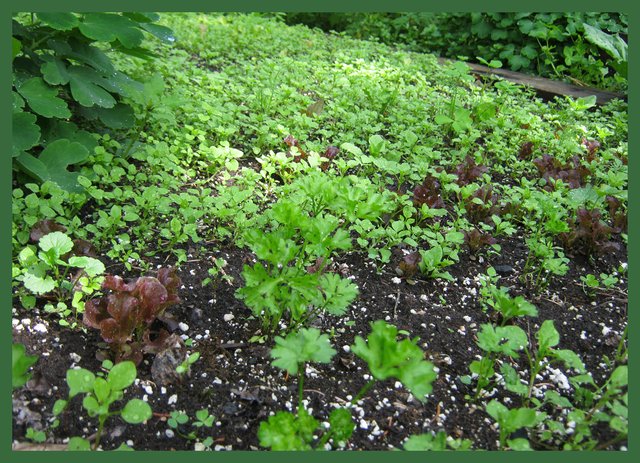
161 32
87 87
53 162
101 389
519 444
78 444
90 265
59 21
38 283
20 364
136 411
426 442
547 336
16 46
570 359
614 45
80 381
620 377
57 241
25 132
122 375
107 27
55 129
54 71
43 99
119 117
18 102
140 17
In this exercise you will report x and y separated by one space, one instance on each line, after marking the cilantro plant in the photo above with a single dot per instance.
288 431
283 285
100 393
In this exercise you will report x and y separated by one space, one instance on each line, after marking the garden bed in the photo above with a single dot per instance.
444 206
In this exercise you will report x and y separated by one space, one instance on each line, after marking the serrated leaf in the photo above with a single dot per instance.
386 357
342 424
57 242
136 411
25 132
54 71
87 87
59 21
121 116
43 99
107 27
306 345
338 292
284 431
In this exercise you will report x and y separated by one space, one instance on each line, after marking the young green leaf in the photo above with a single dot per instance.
306 345
386 358
136 411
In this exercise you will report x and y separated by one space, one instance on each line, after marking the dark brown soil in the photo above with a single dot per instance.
235 381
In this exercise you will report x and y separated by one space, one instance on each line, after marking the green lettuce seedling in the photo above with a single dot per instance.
101 393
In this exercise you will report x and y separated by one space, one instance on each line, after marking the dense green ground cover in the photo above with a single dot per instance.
300 145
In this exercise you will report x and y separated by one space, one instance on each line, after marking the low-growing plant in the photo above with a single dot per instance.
124 315
20 364
511 420
100 393
550 168
589 234
284 286
386 358
47 274
436 442
178 420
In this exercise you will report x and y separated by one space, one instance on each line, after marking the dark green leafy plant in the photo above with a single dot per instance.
58 72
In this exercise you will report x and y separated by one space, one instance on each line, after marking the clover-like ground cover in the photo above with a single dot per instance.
427 189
